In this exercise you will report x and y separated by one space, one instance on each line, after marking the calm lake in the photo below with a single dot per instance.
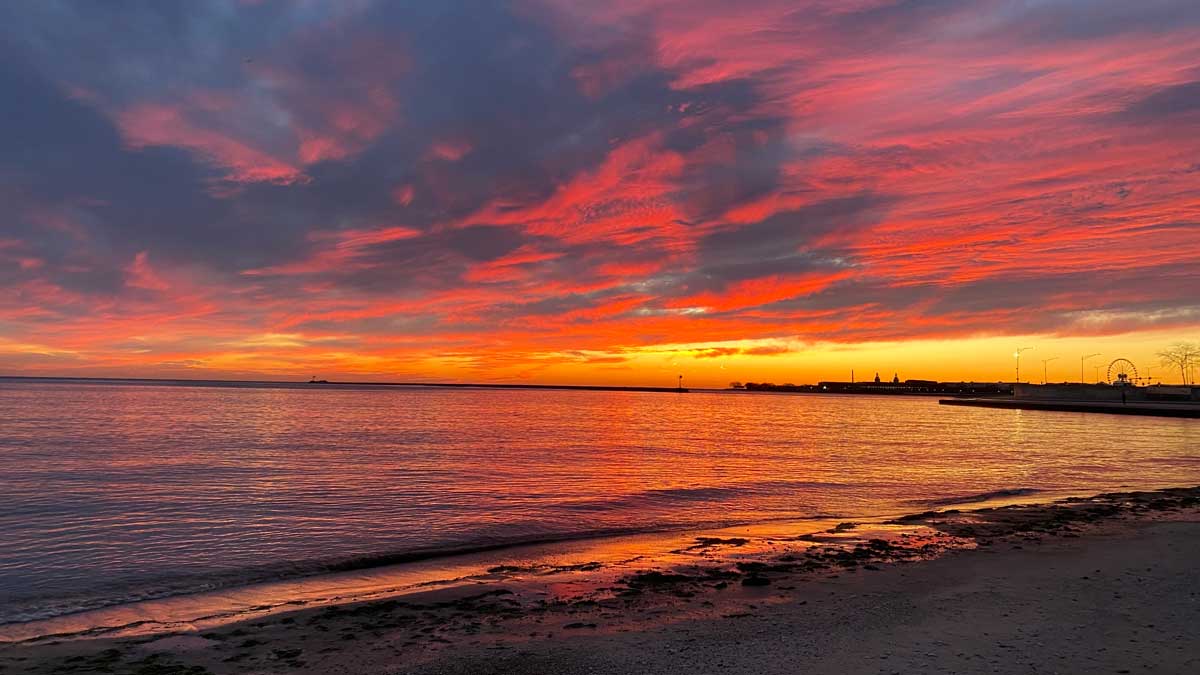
112 492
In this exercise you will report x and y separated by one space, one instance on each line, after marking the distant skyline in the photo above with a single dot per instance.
551 191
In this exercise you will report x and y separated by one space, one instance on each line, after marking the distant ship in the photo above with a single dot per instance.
314 380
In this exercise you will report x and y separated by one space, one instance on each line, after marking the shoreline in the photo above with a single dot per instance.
264 592
405 573
361 578
708 584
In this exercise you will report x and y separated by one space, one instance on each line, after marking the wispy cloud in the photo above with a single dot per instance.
512 190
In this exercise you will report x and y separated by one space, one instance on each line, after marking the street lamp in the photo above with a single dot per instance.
1044 362
1017 356
1082 361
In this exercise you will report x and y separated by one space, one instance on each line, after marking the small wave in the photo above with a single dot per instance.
32 609
666 500
975 498
364 562
41 608
709 494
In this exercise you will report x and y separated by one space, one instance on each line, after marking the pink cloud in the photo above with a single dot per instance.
450 150
140 274
625 200
154 124
403 194
518 265
338 250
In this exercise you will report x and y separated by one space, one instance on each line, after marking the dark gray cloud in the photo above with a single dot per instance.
1164 104
496 83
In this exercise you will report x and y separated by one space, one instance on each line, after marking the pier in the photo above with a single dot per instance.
1158 401
1158 409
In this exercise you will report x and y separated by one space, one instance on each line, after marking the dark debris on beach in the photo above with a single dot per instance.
1056 518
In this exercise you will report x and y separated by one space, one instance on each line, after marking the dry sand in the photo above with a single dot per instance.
1106 585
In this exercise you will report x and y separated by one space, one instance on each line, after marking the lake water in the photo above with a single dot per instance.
112 492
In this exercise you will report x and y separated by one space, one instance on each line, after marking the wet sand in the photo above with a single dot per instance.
1107 584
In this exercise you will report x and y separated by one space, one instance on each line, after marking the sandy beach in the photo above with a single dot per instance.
1106 584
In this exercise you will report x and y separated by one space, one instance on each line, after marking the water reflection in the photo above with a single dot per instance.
111 492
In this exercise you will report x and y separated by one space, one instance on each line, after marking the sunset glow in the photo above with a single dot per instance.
617 193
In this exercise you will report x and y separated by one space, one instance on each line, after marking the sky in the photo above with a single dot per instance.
613 192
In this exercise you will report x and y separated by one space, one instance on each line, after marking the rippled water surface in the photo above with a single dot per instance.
109 492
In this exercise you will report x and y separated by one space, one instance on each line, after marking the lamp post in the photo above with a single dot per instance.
1082 361
1017 356
1044 362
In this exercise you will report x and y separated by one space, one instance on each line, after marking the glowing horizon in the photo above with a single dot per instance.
554 192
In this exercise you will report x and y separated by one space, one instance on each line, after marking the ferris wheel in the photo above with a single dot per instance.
1122 371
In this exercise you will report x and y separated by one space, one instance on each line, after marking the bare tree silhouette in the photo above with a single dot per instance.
1181 355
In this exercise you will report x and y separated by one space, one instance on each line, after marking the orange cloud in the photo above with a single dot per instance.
761 291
